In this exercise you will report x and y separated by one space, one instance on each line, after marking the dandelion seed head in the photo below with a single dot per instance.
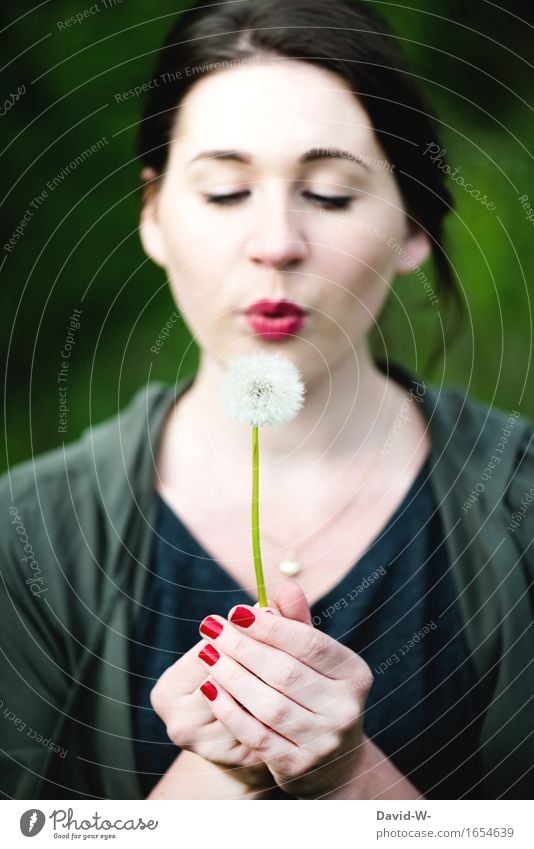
262 388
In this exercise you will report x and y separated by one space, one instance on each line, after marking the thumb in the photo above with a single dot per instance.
292 602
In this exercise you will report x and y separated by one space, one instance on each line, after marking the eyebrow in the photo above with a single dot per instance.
313 155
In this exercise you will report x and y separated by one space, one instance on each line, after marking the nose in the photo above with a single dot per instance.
276 239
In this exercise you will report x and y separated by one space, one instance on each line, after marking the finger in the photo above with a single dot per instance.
292 602
317 650
273 708
176 700
218 745
276 668
212 740
184 675
266 743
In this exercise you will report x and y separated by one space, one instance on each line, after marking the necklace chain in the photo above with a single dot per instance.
291 565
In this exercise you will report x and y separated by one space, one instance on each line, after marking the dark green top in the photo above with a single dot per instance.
76 539
396 607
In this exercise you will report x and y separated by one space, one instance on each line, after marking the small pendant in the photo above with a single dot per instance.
290 566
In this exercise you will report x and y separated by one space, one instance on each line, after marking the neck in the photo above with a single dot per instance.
341 414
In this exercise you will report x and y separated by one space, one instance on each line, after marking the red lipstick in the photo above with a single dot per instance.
275 320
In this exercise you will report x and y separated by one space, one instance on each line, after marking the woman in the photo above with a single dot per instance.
285 187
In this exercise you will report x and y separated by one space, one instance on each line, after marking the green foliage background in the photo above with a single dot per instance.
81 249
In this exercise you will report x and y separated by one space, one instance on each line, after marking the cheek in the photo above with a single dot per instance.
362 243
199 308
360 266
373 274
359 260
186 231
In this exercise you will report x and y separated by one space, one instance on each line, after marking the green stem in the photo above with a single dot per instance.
260 581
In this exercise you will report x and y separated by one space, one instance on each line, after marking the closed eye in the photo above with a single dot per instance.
330 202
225 199
327 202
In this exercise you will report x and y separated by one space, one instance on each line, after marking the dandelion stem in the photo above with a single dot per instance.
260 581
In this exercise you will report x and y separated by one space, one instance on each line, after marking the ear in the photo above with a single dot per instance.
149 224
416 249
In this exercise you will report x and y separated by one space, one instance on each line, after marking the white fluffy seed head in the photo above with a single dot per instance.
262 388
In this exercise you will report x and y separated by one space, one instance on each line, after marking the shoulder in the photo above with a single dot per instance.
33 495
67 504
27 481
72 465
466 433
460 424
486 453
455 408
475 429
519 495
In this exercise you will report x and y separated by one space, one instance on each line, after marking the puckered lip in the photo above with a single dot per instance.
280 308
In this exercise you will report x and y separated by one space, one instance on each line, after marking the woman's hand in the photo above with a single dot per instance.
192 725
292 696
189 718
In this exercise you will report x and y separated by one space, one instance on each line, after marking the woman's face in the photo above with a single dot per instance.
257 224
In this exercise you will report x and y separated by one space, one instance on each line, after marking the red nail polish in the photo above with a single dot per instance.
242 616
209 690
209 655
210 627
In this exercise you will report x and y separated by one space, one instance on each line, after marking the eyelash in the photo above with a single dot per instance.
336 202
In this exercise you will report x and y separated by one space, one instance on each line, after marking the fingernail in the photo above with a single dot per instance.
210 627
209 690
209 655
242 616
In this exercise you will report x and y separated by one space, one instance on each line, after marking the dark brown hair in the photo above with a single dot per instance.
343 36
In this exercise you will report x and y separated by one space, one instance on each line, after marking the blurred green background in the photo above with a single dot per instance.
80 248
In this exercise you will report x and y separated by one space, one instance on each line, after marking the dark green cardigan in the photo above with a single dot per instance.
82 516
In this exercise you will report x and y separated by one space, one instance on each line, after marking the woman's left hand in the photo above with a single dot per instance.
292 694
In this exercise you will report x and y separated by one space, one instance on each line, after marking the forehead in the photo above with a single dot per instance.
280 106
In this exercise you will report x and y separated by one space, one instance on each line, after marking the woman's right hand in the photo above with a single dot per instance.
189 721
191 725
